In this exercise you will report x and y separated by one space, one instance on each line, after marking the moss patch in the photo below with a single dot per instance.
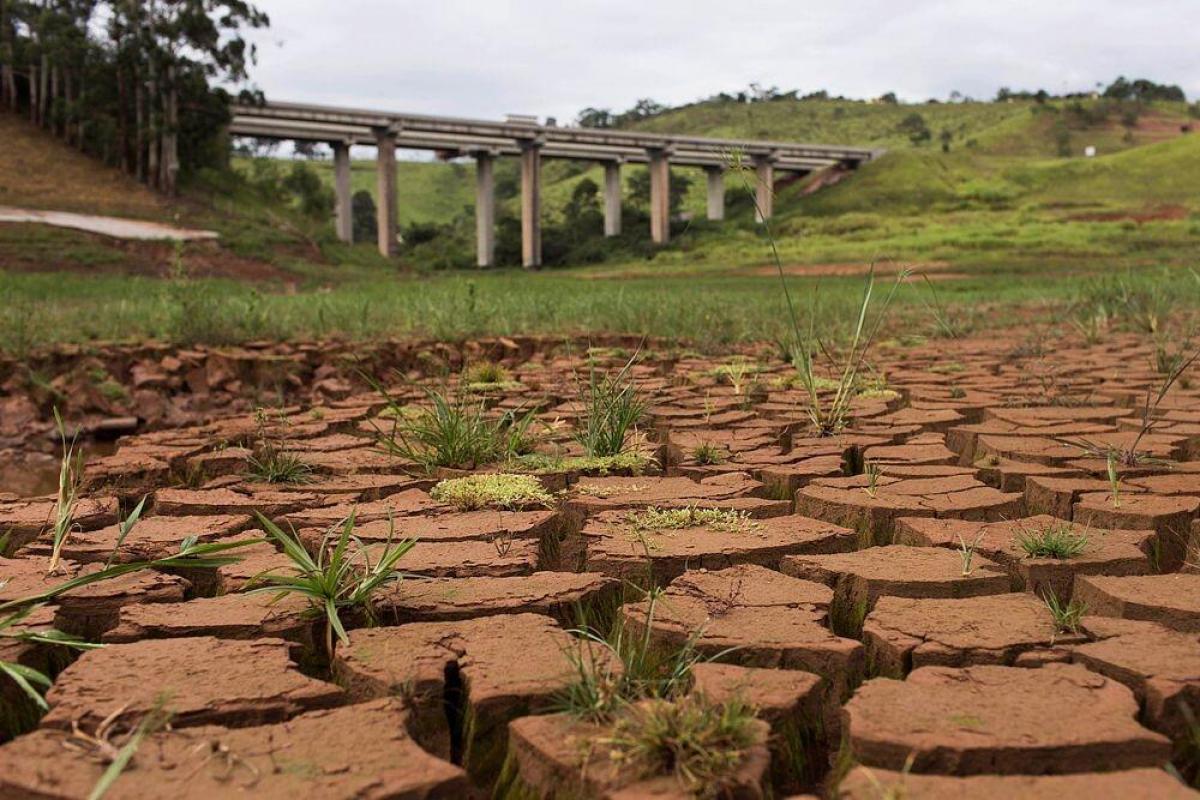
631 463
492 490
657 519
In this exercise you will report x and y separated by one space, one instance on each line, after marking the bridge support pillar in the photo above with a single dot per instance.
764 170
612 198
485 210
344 219
716 192
385 167
660 196
531 204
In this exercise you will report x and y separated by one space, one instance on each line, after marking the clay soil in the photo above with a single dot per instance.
842 607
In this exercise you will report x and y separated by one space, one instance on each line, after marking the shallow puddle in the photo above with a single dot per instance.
36 474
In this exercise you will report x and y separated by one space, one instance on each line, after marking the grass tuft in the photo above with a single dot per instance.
70 482
1067 616
452 431
709 454
1052 540
622 667
487 376
700 742
336 579
270 462
612 408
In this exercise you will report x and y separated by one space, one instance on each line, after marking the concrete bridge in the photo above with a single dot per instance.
523 138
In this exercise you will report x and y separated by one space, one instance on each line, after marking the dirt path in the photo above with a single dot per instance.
115 227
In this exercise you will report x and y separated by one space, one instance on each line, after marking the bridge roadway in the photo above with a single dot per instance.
522 137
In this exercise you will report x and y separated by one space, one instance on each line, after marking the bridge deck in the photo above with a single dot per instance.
483 139
298 121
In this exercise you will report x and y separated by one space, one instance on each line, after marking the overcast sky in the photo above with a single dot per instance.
485 58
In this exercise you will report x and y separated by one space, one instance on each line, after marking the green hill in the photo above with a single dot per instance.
1000 155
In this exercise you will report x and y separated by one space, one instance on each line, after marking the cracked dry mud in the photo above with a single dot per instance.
836 604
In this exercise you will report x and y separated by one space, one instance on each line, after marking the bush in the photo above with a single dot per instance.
915 128
310 194
362 213
991 193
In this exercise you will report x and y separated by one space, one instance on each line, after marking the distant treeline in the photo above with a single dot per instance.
1139 90
128 81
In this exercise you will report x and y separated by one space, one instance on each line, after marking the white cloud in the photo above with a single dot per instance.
484 58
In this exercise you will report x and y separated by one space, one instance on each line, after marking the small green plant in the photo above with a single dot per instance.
1132 456
739 373
873 472
335 579
966 551
13 613
612 408
699 742
947 323
658 519
1052 540
27 678
1166 357
453 431
70 482
1091 324
612 671
102 744
708 454
1067 616
271 463
1114 480
828 415
492 490
487 375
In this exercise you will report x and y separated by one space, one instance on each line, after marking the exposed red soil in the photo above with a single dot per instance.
903 634
818 576
866 783
374 758
1060 718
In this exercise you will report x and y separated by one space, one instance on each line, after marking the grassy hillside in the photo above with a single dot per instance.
1000 155
1017 228
38 171
425 191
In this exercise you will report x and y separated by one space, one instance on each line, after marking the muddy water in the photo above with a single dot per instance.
36 474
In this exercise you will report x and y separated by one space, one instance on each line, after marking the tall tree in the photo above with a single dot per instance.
138 82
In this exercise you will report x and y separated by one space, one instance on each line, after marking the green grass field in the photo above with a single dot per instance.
1017 229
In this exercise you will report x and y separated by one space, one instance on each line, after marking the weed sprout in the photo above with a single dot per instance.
336 579
966 551
612 408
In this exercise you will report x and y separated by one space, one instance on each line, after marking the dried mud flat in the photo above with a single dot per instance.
823 575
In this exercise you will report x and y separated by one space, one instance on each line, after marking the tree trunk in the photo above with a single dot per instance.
122 119
54 110
43 90
33 94
6 59
139 135
170 155
154 134
80 113
68 133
